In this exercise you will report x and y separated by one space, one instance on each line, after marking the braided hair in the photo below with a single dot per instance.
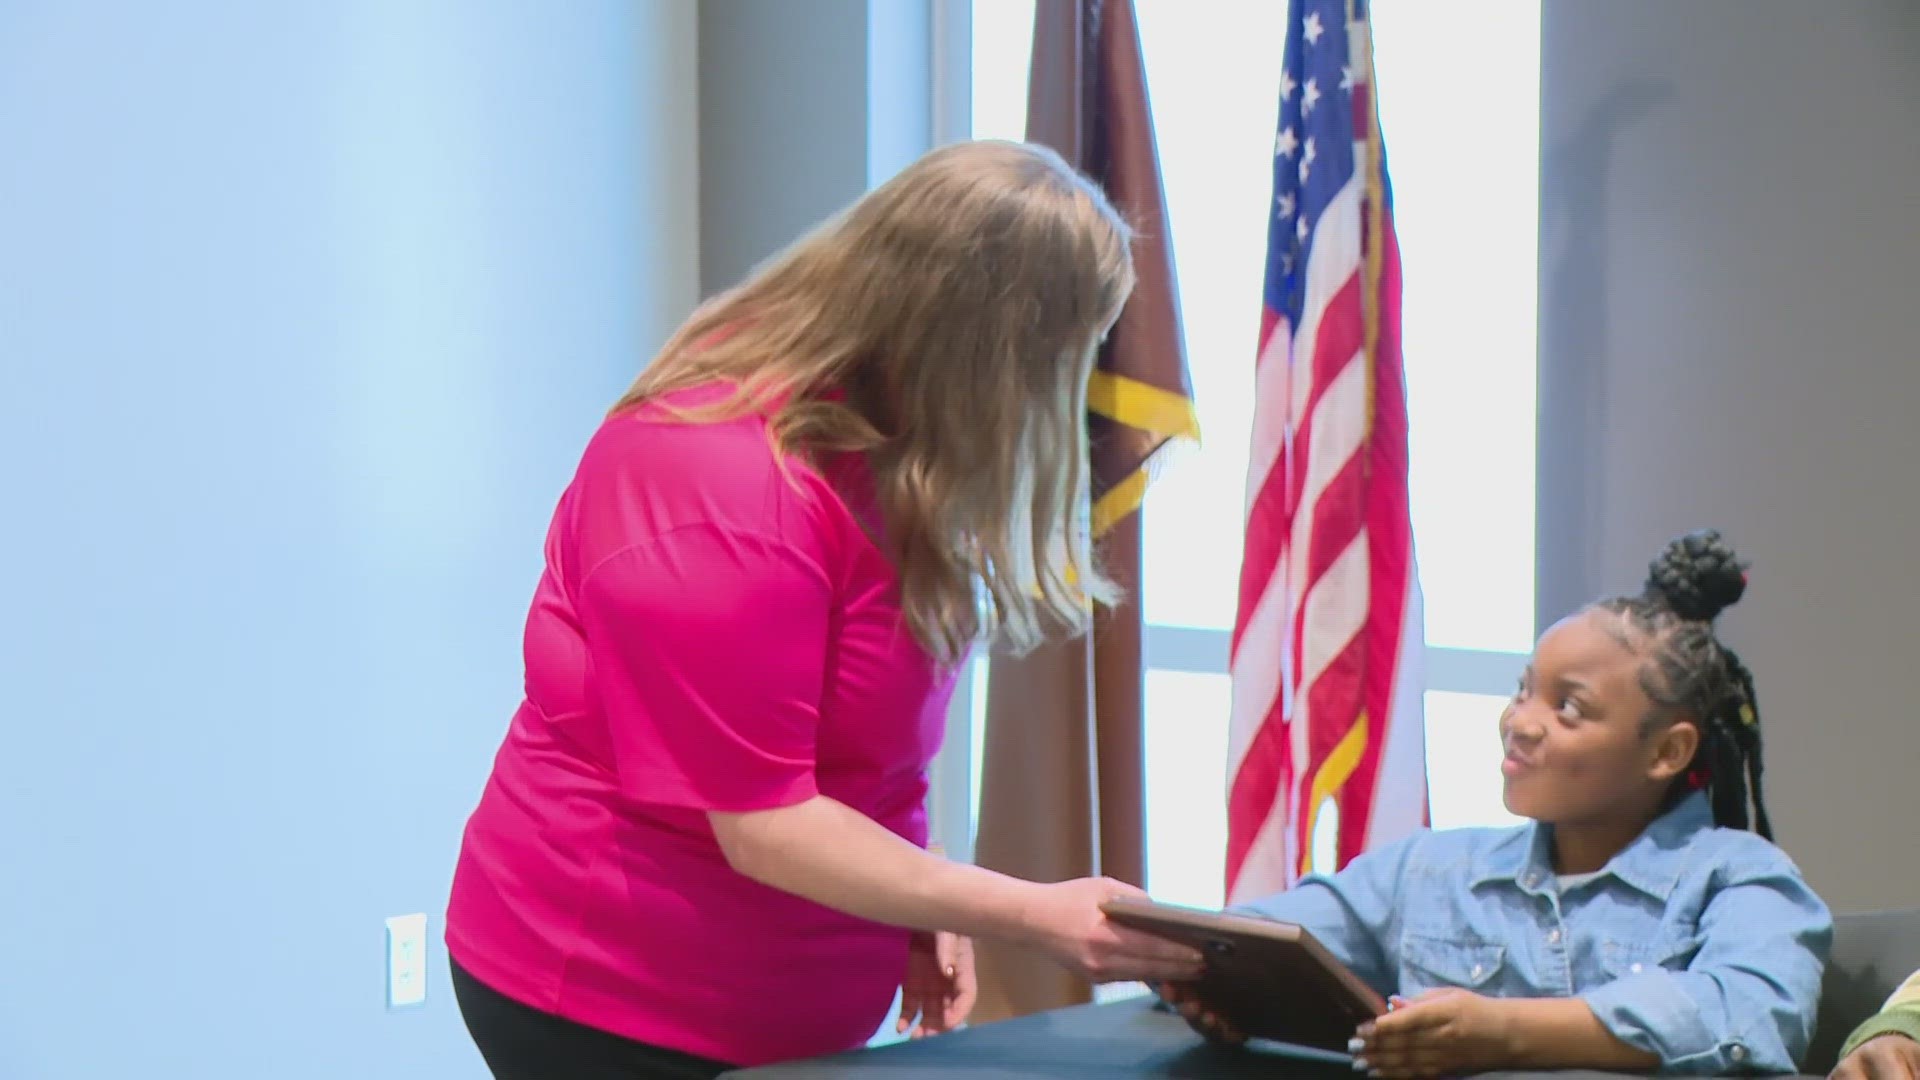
1690 672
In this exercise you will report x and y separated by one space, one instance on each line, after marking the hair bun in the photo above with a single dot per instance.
1698 575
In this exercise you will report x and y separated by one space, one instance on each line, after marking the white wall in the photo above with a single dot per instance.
1730 240
305 311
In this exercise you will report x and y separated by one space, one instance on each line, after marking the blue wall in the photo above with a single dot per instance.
305 309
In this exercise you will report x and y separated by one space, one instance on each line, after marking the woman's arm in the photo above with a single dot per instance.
712 705
827 852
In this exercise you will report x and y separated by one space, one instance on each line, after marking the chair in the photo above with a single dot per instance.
1873 953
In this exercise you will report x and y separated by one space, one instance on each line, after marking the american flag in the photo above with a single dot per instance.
1327 751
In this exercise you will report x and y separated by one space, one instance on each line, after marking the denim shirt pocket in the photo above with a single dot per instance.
1621 957
1433 963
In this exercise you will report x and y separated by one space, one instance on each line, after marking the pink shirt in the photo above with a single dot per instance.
709 634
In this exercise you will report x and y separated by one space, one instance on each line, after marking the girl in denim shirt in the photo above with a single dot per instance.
1635 924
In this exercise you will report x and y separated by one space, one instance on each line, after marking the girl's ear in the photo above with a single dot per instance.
1672 750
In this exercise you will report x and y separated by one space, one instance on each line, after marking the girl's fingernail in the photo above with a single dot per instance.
1356 1044
1359 1064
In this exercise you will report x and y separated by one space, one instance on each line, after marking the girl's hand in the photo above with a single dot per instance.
1441 1032
1203 1020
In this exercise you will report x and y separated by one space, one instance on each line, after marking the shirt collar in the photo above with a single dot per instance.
1652 863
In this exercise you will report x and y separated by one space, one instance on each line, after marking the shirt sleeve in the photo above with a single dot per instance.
1900 1016
1349 912
1746 1001
708 648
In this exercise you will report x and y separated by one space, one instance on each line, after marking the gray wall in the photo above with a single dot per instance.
783 125
803 106
1730 240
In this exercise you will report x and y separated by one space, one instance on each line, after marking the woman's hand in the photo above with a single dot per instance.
939 989
1065 921
1439 1033
1200 1018
827 852
1883 1057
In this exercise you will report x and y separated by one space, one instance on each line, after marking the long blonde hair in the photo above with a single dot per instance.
945 326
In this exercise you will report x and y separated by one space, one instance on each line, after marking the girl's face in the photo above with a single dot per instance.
1577 748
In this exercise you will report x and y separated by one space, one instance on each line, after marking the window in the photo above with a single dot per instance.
1466 207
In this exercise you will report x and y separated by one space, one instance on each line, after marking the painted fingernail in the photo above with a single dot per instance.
1356 1044
1359 1064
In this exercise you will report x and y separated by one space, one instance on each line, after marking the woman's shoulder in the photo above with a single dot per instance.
662 465
682 426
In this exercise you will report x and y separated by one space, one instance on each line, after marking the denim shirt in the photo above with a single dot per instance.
1699 944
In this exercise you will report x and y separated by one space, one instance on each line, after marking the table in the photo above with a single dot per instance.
1128 1038
1123 1039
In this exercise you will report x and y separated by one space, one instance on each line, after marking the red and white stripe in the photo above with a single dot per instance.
1329 626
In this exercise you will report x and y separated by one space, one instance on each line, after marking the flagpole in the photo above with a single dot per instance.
1360 42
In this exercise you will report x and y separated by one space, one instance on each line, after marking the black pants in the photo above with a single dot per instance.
522 1043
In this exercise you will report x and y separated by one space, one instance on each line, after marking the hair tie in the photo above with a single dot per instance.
1697 779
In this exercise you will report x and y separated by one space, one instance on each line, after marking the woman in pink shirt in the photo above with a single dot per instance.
703 841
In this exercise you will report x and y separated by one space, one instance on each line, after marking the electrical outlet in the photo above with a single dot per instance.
406 960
